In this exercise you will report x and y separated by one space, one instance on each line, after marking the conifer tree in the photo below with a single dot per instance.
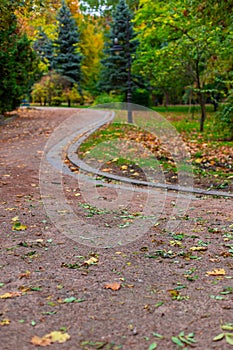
44 48
116 66
67 56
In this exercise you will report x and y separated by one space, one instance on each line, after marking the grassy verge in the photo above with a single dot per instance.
211 155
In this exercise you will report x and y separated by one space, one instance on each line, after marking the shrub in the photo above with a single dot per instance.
107 98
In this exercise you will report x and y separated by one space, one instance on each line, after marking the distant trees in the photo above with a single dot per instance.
115 66
181 44
44 49
67 60
18 64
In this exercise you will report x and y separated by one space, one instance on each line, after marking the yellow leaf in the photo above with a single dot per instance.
58 337
124 167
216 272
19 227
198 160
198 249
10 295
5 322
53 337
16 218
91 261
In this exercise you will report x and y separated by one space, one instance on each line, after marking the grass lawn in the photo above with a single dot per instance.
211 154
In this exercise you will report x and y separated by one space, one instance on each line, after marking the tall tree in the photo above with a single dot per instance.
116 66
177 39
67 54
17 65
44 48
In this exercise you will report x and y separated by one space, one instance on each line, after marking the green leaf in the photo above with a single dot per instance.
229 338
177 341
227 327
69 300
160 303
219 337
157 335
152 346
33 323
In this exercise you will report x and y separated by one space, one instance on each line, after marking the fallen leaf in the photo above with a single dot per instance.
91 261
53 337
69 300
113 286
25 275
200 249
19 227
152 346
10 295
5 322
106 170
216 272
40 341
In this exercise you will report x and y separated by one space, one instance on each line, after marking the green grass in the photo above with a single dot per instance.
187 126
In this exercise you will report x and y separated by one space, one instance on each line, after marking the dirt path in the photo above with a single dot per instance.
58 284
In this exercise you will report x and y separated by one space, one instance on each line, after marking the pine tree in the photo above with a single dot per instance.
67 55
116 66
44 48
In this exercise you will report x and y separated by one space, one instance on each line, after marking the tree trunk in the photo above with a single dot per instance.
69 103
203 112
166 99
201 98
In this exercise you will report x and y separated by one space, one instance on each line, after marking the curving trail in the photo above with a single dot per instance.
170 280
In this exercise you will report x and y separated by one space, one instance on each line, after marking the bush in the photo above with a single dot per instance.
107 98
56 101
225 116
141 97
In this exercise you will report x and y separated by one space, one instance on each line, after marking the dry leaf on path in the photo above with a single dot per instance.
216 272
113 286
10 295
198 249
91 261
53 337
5 322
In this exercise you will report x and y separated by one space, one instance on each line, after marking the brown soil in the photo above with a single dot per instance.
165 287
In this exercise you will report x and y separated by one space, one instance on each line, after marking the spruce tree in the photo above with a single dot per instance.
67 56
44 48
115 67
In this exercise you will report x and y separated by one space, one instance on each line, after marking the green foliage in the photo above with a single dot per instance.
116 66
141 97
67 55
107 98
17 67
50 89
44 48
225 115
181 46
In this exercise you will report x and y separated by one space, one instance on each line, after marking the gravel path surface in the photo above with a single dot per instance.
167 281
